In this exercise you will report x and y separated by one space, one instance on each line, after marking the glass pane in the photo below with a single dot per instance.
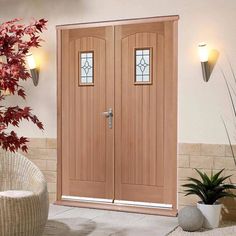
139 78
90 79
86 67
139 52
83 79
142 66
145 78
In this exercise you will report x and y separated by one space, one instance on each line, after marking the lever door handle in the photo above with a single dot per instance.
109 114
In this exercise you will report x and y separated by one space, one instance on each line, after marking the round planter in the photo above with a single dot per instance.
211 214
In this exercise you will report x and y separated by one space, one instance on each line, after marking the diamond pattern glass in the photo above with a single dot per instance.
142 65
86 67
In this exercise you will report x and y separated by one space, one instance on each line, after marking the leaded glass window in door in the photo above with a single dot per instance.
143 66
86 68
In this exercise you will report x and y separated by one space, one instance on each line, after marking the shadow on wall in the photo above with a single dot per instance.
213 58
227 212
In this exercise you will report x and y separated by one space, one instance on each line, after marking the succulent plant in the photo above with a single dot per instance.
209 188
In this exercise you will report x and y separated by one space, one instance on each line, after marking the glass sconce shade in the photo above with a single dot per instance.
33 68
203 52
31 61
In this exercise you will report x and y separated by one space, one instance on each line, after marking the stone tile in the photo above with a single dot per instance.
184 173
180 187
51 143
81 221
56 209
103 232
50 176
224 162
183 160
189 149
41 164
42 153
228 151
70 227
52 154
117 219
232 179
157 221
38 151
81 212
52 187
52 197
187 200
201 162
229 203
181 206
37 142
212 150
152 225
51 165
140 231
228 214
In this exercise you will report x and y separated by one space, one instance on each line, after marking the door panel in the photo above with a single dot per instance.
87 142
130 68
141 170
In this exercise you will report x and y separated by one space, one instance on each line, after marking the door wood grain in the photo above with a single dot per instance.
144 113
87 142
136 159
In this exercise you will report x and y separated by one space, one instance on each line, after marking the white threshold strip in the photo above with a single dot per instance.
143 204
86 199
117 202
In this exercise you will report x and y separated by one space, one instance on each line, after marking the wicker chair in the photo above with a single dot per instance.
23 197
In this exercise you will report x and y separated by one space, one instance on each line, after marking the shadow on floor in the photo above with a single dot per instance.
69 227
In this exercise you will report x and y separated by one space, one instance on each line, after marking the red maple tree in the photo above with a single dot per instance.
16 40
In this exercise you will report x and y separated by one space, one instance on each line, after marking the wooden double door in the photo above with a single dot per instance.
117 114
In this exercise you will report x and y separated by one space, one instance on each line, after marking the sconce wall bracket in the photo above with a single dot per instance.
206 73
35 76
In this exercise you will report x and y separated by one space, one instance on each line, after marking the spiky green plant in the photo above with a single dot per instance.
209 188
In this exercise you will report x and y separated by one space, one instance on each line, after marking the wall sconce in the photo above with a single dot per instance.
203 56
33 69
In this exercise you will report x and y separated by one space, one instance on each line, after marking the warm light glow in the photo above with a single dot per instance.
31 61
5 92
3 59
203 52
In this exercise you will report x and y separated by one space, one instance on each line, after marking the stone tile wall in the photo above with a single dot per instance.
43 152
205 157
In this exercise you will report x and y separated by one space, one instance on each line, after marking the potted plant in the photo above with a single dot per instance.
210 189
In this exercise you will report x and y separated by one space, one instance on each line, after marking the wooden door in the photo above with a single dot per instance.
129 67
145 113
87 91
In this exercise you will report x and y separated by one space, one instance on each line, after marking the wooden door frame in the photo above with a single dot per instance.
170 126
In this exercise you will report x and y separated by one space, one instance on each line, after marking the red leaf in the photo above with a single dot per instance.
16 40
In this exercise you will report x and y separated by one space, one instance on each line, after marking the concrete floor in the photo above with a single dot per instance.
71 221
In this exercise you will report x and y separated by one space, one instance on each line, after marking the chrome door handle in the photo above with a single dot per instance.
109 114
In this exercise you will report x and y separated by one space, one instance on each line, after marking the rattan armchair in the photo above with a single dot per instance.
23 197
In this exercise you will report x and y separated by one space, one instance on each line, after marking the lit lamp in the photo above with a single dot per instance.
33 68
203 56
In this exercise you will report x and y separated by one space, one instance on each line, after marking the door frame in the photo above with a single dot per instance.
170 126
